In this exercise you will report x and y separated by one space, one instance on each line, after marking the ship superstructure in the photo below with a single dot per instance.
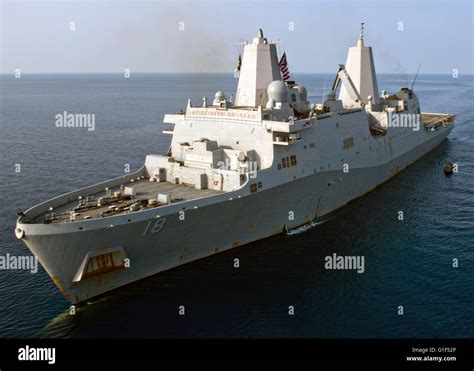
235 172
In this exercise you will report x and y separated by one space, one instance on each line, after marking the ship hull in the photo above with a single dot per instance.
210 229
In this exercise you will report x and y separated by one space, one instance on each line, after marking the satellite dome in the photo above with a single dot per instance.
302 92
271 103
219 96
278 91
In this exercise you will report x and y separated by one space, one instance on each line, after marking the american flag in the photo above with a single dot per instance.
285 72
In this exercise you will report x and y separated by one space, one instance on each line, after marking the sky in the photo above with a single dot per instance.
202 36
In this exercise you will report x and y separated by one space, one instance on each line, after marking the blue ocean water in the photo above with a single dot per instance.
407 263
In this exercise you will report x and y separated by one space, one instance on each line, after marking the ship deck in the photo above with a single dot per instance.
144 190
433 120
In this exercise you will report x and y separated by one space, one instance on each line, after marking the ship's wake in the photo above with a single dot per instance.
305 227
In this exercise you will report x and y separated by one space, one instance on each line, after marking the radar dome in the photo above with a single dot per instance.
278 91
302 92
219 96
271 103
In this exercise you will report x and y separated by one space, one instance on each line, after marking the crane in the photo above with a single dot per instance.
343 75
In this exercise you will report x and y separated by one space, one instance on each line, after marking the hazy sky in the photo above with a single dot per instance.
111 36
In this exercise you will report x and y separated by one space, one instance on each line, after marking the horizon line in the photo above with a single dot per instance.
208 73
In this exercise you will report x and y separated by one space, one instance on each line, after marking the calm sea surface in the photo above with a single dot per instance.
407 263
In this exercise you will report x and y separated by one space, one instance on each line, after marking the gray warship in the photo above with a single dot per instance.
237 170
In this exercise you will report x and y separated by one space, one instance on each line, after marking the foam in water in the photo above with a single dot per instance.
305 227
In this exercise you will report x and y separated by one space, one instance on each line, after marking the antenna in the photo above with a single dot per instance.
413 83
360 41
361 35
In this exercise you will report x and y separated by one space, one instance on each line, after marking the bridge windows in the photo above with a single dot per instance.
255 186
348 143
287 162
293 160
